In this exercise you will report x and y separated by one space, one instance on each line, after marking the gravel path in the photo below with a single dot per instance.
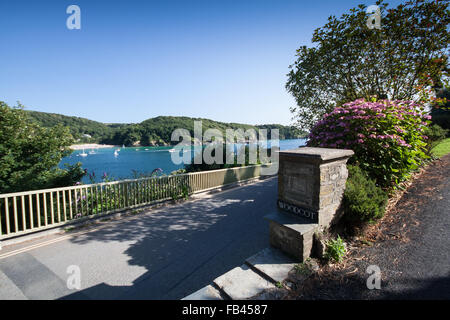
410 246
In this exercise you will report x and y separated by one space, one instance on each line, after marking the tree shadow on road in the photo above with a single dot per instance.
184 247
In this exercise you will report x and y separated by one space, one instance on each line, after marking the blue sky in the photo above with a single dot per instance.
224 60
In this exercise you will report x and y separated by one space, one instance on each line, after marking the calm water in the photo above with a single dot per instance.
142 159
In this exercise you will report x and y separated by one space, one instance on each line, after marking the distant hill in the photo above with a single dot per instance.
154 131
78 126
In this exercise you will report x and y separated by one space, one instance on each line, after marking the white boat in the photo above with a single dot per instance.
83 154
116 152
92 151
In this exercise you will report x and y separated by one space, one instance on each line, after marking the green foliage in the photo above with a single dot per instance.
303 268
440 113
180 191
335 250
179 171
279 285
185 191
387 137
29 154
435 133
363 200
349 61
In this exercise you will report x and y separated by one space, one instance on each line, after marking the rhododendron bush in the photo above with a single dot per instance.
387 136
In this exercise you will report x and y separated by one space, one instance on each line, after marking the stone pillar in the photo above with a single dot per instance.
311 182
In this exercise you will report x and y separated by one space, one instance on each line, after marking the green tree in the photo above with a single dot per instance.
349 60
131 135
29 154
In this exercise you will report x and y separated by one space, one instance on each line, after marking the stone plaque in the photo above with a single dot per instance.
298 211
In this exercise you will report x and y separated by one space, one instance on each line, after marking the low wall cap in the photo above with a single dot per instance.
323 154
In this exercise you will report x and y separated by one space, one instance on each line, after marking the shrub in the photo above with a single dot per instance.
387 136
335 250
435 133
440 113
363 200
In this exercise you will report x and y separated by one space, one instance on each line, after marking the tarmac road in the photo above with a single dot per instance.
166 253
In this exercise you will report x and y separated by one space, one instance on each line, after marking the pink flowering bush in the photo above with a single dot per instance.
387 136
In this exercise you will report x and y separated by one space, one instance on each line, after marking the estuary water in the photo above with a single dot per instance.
119 163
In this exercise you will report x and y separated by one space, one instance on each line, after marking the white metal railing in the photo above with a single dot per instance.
30 211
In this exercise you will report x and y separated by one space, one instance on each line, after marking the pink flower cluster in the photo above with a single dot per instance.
358 123
386 136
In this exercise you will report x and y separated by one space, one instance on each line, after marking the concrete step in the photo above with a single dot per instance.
242 283
291 234
272 264
256 279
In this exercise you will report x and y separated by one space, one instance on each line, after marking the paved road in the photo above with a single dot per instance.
165 254
420 268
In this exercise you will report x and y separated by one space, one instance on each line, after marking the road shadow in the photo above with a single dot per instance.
184 247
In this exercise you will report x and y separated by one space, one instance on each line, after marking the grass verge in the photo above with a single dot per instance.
442 148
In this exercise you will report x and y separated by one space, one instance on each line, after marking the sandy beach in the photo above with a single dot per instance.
91 146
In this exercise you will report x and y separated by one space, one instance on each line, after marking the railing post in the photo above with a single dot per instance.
125 186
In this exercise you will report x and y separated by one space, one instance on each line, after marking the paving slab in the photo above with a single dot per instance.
205 293
273 263
242 283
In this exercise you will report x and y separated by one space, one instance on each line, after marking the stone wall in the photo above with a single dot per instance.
333 177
